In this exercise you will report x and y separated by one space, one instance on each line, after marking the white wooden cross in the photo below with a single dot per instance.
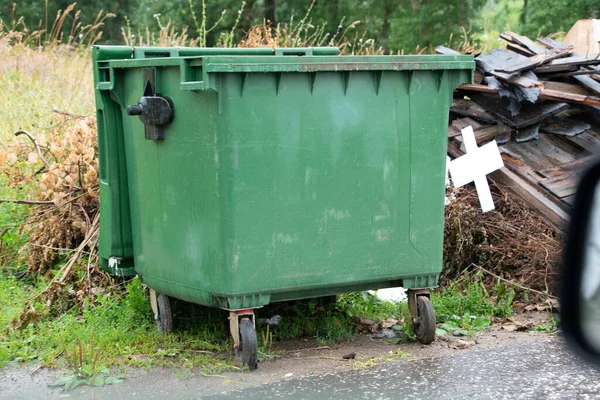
475 165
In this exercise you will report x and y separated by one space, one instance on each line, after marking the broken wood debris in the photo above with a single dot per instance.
540 100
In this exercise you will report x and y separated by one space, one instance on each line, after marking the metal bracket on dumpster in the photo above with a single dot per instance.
154 303
412 295
155 110
234 321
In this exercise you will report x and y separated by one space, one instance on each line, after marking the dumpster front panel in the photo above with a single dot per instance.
275 185
340 186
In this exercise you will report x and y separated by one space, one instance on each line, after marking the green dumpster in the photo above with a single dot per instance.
233 178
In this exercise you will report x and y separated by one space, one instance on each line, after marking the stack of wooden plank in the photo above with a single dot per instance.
541 102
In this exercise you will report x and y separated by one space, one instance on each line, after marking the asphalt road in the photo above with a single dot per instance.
539 369
532 370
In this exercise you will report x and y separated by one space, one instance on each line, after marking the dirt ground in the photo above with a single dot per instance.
304 357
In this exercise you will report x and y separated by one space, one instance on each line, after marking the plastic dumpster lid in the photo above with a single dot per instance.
159 52
197 64
127 52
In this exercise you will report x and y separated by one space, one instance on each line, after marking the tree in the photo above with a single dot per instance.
541 18
40 14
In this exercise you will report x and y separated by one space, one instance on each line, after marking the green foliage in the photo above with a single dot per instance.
404 331
540 18
463 326
311 318
550 326
333 329
468 299
366 304
84 360
137 302
11 217
41 14
124 325
407 26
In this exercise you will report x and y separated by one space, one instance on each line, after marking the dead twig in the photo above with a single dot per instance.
31 202
308 349
515 284
61 249
75 257
68 114
319 358
37 147
85 214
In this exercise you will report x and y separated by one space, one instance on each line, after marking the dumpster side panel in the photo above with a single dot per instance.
115 240
176 207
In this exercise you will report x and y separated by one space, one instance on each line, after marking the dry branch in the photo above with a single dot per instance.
30 202
37 146
528 289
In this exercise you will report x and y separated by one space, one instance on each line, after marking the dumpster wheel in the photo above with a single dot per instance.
164 316
247 353
425 321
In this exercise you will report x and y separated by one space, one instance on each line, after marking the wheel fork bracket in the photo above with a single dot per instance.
154 304
412 295
234 324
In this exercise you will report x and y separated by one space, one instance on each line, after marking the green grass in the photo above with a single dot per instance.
124 326
124 332
467 307
35 83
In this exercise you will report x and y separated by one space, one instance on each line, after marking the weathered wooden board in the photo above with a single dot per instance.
567 88
563 185
467 108
547 69
530 114
577 60
554 213
588 141
570 97
523 41
503 61
447 51
564 126
528 133
553 44
542 154
553 95
519 49
577 165
458 125
589 83
562 181
576 71
484 135
524 81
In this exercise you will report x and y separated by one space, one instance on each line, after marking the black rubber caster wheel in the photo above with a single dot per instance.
248 351
164 319
425 324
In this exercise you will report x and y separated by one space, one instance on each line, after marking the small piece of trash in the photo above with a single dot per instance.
461 344
384 334
288 375
386 323
390 294
273 321
364 324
